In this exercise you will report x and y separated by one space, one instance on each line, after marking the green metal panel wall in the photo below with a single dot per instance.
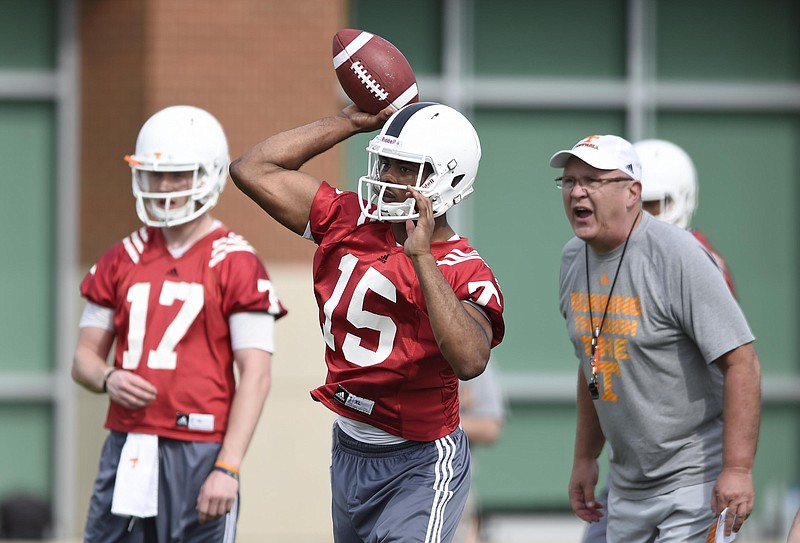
27 218
27 454
728 41
27 215
568 38
28 34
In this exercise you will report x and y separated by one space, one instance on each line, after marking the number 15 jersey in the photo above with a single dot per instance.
384 366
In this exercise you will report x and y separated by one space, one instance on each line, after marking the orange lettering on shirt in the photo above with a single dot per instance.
607 370
621 349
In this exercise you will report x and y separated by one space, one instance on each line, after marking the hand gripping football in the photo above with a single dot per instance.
372 72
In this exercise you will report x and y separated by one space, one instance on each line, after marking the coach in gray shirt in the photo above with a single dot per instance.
668 373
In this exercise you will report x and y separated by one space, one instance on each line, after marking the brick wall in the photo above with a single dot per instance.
259 66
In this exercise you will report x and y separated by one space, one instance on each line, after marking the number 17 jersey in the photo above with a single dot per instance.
171 318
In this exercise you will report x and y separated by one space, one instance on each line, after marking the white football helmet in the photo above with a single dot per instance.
668 176
423 133
179 139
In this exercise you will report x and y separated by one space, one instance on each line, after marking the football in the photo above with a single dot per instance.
372 72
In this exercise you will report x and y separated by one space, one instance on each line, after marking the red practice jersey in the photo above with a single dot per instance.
384 366
703 239
171 322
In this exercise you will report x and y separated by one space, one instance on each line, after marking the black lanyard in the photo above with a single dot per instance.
599 329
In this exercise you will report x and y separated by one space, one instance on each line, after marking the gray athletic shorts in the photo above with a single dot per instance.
411 492
681 516
182 469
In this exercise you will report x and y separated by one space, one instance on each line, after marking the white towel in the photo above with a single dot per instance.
718 531
136 487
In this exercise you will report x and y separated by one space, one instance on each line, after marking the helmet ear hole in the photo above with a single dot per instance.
456 180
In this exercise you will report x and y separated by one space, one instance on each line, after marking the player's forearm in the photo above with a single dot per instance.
248 403
89 364
742 409
461 338
89 370
589 438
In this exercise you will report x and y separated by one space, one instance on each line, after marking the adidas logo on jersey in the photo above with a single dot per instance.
341 394
384 258
173 272
352 401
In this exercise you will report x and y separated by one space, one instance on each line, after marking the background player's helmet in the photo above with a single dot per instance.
668 176
425 133
179 139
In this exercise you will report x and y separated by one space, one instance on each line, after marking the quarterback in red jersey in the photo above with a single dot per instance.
406 307
184 299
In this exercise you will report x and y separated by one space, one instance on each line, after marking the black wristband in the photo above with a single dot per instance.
227 472
105 379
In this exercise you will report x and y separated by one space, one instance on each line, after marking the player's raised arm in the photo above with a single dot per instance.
268 172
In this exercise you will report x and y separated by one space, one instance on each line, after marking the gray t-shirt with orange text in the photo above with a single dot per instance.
670 316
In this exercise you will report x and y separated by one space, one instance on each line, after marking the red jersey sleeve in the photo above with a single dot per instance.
473 281
244 282
480 287
704 241
334 212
